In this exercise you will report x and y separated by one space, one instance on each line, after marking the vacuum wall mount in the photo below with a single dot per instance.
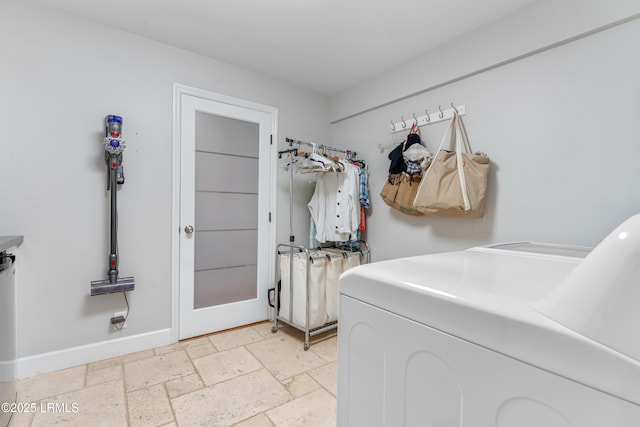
114 147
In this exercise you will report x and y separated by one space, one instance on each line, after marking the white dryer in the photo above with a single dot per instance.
512 335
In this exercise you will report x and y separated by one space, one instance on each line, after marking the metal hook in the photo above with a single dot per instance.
414 118
441 112
404 125
454 107
393 126
428 117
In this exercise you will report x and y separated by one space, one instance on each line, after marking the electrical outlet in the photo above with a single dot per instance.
119 325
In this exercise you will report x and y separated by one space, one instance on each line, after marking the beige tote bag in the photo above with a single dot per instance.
456 182
399 192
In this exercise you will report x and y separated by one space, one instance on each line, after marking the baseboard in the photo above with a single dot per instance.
52 361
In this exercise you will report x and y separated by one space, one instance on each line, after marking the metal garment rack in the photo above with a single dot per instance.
317 148
292 248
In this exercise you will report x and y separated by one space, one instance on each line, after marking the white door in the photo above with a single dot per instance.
225 229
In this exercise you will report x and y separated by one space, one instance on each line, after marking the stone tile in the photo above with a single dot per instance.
242 390
264 329
106 363
326 348
316 409
21 419
230 402
235 338
225 365
121 360
51 384
327 376
97 376
182 345
183 385
260 420
167 349
157 369
140 355
284 356
96 406
300 385
290 331
195 342
201 350
149 407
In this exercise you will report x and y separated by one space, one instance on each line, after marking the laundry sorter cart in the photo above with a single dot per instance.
306 297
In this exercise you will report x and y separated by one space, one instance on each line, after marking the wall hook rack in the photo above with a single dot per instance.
427 119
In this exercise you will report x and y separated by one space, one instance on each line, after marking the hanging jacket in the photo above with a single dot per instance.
397 160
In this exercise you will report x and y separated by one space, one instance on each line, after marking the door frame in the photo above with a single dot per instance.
178 91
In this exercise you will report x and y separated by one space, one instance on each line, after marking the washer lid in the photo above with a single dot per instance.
486 295
542 249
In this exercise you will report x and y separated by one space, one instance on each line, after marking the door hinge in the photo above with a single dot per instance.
269 216
271 139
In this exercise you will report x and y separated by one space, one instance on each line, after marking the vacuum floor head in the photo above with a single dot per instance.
124 284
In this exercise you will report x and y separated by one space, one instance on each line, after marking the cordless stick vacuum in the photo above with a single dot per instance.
113 146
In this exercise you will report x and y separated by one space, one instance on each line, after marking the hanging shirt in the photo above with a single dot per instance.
335 205
364 199
364 190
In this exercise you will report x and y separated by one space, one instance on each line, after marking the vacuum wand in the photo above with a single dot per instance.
113 254
114 146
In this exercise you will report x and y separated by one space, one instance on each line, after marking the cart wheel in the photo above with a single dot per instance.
306 346
274 329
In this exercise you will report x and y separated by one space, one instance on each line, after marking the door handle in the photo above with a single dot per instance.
189 229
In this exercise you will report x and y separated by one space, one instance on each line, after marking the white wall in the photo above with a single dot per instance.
60 76
561 128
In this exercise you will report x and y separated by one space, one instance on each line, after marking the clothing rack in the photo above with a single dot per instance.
320 148
292 248
427 118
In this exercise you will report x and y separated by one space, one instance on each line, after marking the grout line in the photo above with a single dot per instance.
214 346
125 397
173 412
86 376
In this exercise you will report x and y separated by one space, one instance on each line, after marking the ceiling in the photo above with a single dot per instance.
323 45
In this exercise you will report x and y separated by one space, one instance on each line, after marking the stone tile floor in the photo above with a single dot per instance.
246 377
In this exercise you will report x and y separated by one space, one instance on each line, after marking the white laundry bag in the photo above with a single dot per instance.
335 267
297 294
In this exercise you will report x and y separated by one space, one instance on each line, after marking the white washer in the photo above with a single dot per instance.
514 335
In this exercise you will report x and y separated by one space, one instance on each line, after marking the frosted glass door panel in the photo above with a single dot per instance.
208 291
226 173
226 206
223 249
220 211
226 135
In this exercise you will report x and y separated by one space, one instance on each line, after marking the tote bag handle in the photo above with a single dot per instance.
457 133
462 143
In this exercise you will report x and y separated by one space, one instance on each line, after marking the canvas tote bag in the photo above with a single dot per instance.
399 192
456 182
400 189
